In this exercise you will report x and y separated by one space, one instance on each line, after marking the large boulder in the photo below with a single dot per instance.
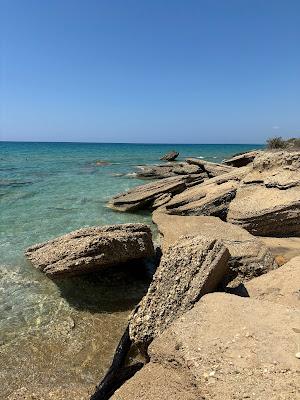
145 196
192 267
212 169
240 160
171 156
234 348
91 249
279 286
249 257
267 202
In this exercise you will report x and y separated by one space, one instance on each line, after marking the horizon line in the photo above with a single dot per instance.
134 143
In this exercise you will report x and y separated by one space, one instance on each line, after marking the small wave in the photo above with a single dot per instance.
199 157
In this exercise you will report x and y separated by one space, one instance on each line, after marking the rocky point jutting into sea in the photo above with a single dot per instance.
218 316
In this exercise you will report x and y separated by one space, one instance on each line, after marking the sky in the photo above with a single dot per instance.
159 71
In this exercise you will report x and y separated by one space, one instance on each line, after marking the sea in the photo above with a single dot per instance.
60 332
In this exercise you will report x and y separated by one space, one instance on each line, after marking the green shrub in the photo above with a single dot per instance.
276 143
293 143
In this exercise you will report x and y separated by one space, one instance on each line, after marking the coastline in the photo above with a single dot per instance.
124 317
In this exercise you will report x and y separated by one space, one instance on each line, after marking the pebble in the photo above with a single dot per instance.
297 354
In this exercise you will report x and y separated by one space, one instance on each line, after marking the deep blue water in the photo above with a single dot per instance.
48 189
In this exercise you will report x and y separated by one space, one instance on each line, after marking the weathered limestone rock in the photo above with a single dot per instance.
212 169
92 249
266 211
171 156
189 269
171 169
142 197
267 203
240 160
280 169
234 348
280 286
208 199
211 197
249 257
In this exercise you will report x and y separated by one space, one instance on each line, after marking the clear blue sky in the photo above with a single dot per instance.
214 71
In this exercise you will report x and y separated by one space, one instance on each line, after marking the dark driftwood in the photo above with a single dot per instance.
117 373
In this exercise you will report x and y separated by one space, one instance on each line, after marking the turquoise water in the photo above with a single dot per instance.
48 189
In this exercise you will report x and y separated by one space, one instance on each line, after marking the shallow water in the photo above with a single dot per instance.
65 332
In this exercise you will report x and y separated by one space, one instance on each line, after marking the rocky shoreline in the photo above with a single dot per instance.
208 325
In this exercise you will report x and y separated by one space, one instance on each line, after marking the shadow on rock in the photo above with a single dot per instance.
114 289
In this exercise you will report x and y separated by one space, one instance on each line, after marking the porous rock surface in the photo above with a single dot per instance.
144 196
249 257
91 249
192 267
267 202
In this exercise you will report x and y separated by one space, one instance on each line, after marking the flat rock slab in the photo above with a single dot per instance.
266 211
249 257
92 249
267 202
144 196
167 170
280 286
235 348
189 269
211 197
240 160
212 169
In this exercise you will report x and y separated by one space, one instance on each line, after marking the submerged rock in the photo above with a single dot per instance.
240 160
171 156
267 203
91 249
145 196
192 267
102 163
249 257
